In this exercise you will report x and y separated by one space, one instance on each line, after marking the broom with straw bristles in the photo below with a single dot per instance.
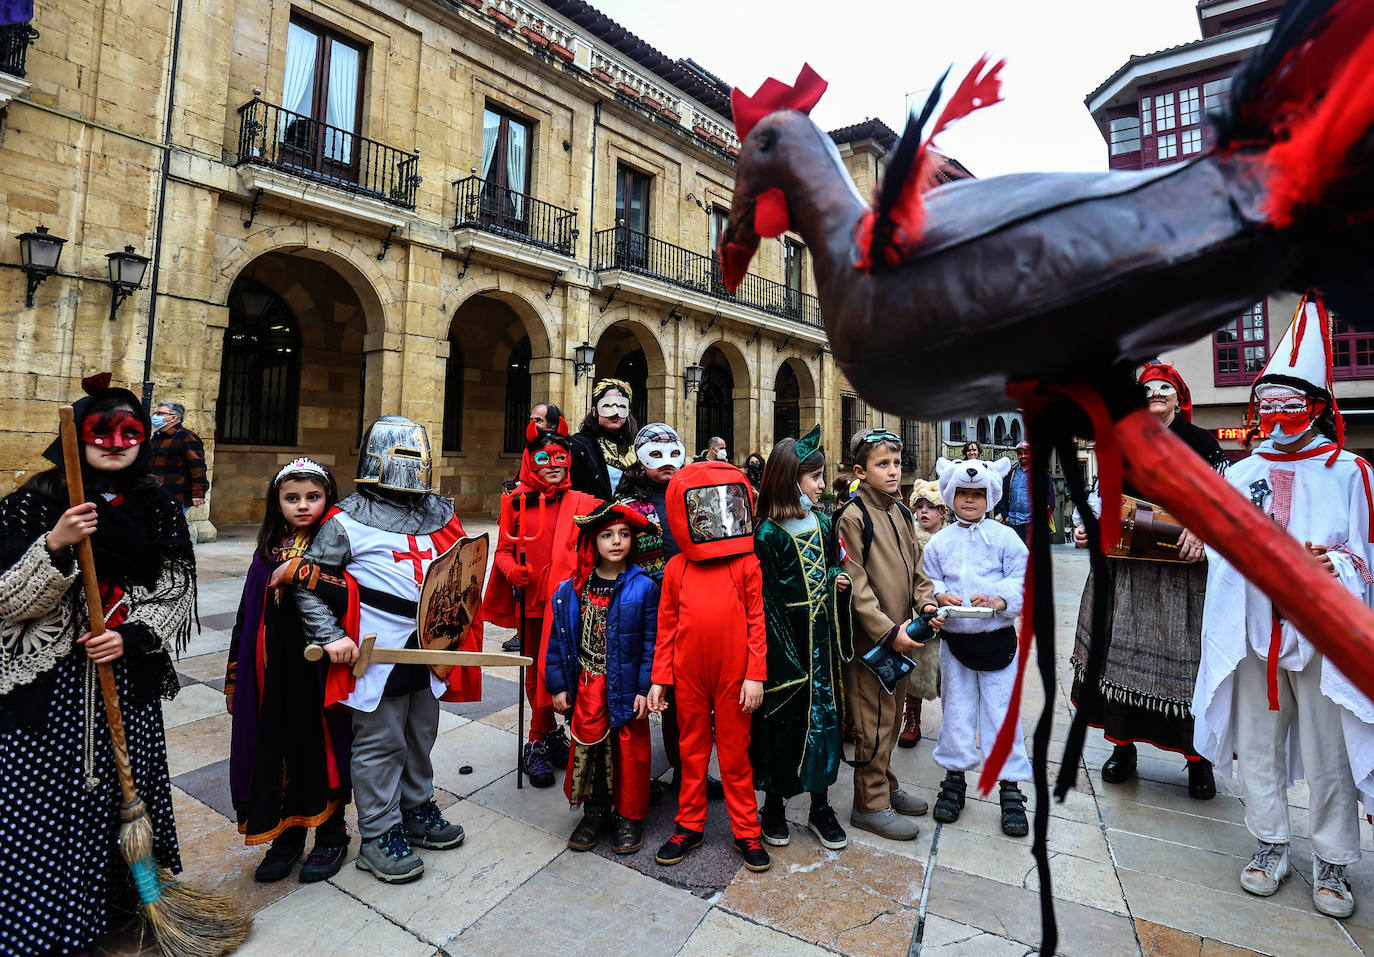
184 922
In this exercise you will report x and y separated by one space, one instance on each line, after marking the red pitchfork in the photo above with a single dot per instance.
521 541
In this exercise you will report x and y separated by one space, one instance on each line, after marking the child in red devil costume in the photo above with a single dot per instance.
713 650
537 550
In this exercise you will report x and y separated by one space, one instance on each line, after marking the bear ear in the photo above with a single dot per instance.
1002 467
942 466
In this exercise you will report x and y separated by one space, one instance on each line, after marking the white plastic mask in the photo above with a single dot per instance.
1159 388
613 406
656 455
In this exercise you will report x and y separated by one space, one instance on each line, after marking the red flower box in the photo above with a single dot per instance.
558 50
602 74
500 18
671 115
651 101
534 36
627 90
475 4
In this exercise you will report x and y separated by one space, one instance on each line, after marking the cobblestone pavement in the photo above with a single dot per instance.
1137 868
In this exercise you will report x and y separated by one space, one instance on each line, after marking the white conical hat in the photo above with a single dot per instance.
1302 358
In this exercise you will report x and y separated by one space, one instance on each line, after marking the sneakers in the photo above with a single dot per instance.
885 823
773 821
910 735
755 857
823 823
535 764
281 857
1266 870
629 835
557 747
390 858
511 644
1330 889
595 822
908 804
323 863
426 827
676 847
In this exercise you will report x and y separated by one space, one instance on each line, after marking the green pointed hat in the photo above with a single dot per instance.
809 443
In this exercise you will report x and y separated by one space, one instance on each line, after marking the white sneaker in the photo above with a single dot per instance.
1266 869
1330 890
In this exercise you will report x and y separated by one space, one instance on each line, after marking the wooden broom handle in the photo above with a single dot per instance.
95 608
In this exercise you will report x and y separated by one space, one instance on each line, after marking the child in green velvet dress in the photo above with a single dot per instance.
795 741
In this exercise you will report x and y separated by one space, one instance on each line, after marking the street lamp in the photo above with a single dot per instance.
584 360
126 275
693 377
38 254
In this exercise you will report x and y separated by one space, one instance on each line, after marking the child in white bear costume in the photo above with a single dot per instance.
977 562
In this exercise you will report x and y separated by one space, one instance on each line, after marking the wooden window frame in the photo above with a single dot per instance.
316 157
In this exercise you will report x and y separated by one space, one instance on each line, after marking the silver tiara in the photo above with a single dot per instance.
301 465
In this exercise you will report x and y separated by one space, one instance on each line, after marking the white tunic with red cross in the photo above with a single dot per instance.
394 564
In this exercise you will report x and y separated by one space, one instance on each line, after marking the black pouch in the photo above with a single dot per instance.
983 650
889 666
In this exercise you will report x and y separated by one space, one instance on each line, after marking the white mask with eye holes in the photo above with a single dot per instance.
611 406
1158 388
656 455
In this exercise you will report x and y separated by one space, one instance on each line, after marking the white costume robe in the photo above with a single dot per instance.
1327 506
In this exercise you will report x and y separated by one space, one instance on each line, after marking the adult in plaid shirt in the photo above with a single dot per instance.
178 456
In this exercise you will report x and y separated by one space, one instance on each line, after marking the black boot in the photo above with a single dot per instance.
1202 786
773 820
595 822
629 835
1120 767
282 856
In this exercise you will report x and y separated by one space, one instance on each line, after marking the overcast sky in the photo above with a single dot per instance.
874 53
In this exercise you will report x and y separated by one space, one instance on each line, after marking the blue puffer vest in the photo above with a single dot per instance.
631 627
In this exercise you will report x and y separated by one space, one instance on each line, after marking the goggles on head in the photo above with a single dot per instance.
1156 388
613 407
874 436
553 457
656 455
116 429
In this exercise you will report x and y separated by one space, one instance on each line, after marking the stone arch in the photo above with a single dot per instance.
374 289
727 378
628 350
536 318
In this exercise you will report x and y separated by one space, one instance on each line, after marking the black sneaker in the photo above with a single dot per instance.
823 823
323 863
595 822
773 823
676 847
536 765
755 857
511 644
281 857
557 747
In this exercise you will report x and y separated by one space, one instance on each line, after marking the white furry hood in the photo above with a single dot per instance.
972 473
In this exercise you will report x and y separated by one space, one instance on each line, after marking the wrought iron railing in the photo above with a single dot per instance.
272 136
498 209
624 248
14 47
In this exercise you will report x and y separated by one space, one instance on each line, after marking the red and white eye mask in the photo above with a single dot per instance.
115 430
1288 409
552 457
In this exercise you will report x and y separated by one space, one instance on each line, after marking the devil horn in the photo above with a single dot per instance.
774 95
562 427
531 431
95 384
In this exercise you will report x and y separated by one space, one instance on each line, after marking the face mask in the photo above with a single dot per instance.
555 456
118 429
613 407
655 455
806 503
1284 419
159 421
1158 388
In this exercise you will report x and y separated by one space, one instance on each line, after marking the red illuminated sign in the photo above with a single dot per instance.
1237 435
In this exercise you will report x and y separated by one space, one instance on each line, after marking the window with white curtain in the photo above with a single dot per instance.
322 85
506 142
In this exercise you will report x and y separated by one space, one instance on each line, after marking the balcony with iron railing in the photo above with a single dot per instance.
303 146
14 47
622 248
506 212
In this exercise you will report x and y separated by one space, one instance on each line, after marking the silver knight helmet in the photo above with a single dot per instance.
396 456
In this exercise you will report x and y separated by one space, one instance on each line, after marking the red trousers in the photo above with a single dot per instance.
700 696
541 718
627 746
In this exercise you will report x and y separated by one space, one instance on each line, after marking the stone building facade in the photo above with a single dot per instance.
419 207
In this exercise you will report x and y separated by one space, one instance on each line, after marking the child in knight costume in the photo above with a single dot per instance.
601 654
382 538
712 649
61 873
1264 693
795 744
288 767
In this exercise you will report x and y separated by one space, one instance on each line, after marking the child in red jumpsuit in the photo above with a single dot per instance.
541 508
713 650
